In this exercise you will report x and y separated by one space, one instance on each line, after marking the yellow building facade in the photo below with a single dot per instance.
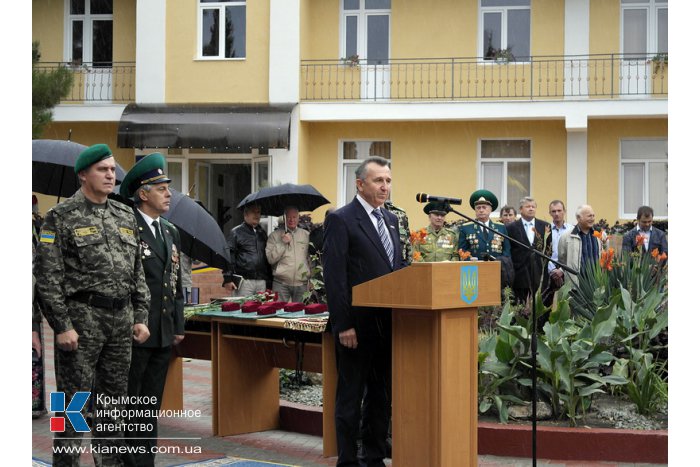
547 98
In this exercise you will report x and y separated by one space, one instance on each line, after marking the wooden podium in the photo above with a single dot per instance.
434 361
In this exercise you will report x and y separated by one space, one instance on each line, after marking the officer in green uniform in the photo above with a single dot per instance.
147 184
90 278
440 242
482 243
404 231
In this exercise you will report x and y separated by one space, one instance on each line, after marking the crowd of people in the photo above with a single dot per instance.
109 281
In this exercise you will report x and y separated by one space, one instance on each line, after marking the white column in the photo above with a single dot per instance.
150 51
284 51
285 162
576 171
576 37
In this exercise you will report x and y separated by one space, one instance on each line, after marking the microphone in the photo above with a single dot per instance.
424 198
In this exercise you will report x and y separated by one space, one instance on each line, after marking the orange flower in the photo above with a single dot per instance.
417 256
606 259
418 237
597 234
464 255
661 257
639 240
654 253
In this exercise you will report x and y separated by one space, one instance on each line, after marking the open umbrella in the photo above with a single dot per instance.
201 237
53 163
274 199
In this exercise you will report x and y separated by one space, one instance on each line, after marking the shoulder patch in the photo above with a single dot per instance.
47 236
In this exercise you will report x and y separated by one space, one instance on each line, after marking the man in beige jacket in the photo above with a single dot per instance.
287 251
579 245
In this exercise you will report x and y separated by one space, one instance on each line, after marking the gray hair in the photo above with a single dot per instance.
361 171
579 210
136 197
526 200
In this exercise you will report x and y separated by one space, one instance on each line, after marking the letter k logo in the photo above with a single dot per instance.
76 419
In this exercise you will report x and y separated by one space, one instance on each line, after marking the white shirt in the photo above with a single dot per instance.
369 208
556 234
149 220
646 236
529 226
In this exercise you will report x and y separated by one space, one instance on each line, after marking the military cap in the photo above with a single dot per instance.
92 155
148 171
483 197
434 206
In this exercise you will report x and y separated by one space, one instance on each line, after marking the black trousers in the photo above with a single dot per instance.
363 398
149 368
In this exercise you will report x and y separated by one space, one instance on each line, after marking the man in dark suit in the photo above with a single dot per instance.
528 266
360 243
147 184
649 237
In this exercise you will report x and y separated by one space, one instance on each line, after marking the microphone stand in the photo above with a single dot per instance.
533 337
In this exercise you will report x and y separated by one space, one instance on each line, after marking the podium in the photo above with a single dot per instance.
434 356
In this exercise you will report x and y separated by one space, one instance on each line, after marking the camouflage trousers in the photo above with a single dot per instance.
100 365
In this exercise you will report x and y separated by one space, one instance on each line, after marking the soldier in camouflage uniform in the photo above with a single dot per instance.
404 231
90 278
440 242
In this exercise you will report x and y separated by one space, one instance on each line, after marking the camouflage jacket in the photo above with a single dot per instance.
404 231
87 248
438 246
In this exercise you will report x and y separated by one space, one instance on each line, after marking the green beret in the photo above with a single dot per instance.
436 207
148 171
483 197
92 155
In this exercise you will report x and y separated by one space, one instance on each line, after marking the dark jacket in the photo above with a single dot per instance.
353 254
164 280
247 247
657 239
527 265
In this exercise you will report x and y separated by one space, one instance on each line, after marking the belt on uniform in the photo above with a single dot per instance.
101 301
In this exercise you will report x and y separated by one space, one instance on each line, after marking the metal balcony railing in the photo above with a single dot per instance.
112 82
536 78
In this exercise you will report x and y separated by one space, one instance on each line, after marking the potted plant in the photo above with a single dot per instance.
660 62
352 60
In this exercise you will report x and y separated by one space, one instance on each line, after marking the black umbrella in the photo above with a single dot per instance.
274 199
201 237
53 163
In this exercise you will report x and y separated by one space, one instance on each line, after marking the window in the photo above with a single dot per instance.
505 169
505 29
352 155
644 176
644 28
222 28
365 30
89 32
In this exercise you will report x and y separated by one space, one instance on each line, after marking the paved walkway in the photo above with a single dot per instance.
271 446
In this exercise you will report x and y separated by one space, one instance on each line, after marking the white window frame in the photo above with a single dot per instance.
221 6
503 196
504 28
652 8
343 163
362 13
87 19
645 192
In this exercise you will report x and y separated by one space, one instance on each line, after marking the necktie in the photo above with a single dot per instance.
159 237
383 235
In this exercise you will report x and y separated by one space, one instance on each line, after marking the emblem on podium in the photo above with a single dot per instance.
469 283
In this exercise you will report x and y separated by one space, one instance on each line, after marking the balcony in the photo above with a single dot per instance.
608 76
112 83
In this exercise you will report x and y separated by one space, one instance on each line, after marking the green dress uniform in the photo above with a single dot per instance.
480 242
90 279
440 245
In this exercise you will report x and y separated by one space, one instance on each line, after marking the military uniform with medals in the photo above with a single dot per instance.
160 256
439 245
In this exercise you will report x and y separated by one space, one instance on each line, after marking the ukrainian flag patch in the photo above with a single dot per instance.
46 236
